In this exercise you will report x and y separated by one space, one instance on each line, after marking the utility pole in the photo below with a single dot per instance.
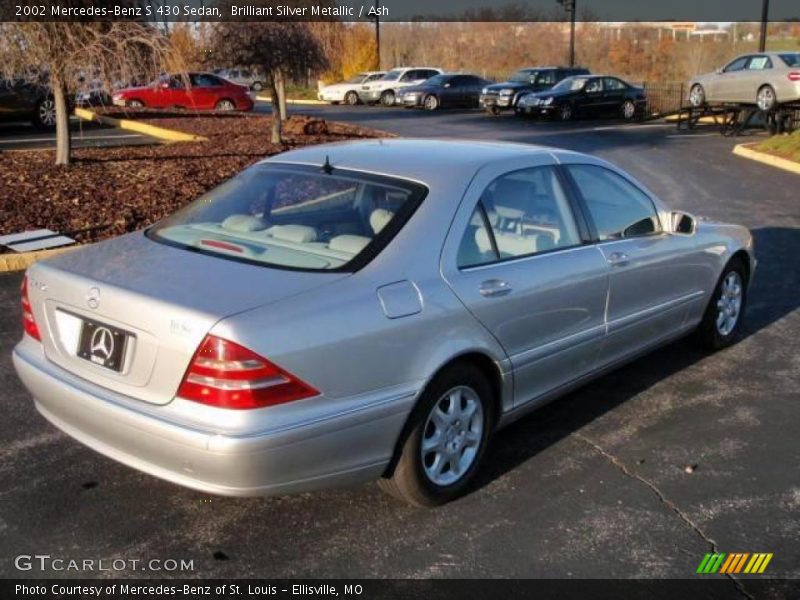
377 36
762 43
569 6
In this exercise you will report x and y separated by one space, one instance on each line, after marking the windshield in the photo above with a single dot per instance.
523 76
294 217
392 75
570 84
791 59
356 78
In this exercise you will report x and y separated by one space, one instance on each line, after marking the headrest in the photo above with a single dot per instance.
299 234
244 223
379 218
352 244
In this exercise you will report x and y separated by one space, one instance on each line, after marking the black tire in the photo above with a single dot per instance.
710 335
225 104
351 98
697 96
629 110
409 480
430 102
388 98
44 113
492 110
766 99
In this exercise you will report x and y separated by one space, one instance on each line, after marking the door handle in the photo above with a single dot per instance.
617 259
493 288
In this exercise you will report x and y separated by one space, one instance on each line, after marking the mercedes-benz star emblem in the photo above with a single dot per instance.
102 343
93 297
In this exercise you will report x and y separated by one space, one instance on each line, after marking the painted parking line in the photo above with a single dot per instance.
631 126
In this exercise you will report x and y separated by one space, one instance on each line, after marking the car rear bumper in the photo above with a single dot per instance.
345 449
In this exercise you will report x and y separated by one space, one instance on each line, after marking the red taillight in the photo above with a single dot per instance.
227 375
794 76
28 321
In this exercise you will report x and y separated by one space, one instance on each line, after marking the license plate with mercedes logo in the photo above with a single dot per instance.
103 345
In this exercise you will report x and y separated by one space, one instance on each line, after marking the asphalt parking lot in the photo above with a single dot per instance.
594 485
23 136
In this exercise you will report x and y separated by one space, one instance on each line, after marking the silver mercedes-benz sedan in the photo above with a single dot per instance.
764 79
367 310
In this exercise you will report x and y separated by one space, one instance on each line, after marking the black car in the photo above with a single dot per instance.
505 95
593 95
24 101
443 91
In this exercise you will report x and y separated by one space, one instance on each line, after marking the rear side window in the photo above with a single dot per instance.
295 217
617 207
521 213
759 63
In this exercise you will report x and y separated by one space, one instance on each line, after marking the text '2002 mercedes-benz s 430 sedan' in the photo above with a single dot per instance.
367 310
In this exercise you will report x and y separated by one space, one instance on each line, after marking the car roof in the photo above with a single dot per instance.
423 160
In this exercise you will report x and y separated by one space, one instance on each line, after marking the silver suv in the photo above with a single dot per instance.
385 89
243 77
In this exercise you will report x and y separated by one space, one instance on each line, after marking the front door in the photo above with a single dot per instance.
656 278
522 270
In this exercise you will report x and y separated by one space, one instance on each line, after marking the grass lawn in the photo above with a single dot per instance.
785 146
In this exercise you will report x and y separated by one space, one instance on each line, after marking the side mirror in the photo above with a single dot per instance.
682 223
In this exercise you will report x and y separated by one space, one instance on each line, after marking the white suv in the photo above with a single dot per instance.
385 89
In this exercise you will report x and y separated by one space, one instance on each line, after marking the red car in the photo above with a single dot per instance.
205 92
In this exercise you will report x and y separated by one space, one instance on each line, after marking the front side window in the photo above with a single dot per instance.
594 86
617 207
294 217
737 65
392 75
521 213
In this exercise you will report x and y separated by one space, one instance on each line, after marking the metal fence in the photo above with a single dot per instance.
664 97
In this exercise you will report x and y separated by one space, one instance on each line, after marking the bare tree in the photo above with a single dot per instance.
68 53
281 49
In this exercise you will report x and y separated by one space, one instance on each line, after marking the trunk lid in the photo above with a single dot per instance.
157 300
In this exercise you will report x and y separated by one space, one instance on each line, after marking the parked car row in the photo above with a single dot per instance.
557 92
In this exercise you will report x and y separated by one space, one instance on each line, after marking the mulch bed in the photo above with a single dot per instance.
111 191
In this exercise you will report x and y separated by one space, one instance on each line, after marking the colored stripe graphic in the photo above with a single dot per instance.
734 563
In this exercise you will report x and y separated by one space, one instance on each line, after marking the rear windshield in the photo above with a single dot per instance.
295 217
791 59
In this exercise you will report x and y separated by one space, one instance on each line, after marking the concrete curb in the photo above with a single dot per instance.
151 130
292 100
19 261
768 159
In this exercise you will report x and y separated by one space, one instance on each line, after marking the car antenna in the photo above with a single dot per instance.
327 168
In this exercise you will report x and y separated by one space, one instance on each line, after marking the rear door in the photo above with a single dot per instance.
206 90
613 94
515 257
757 72
655 277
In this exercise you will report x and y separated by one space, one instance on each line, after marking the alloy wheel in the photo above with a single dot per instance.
729 305
452 436
431 103
225 105
47 112
565 112
697 96
766 98
628 110
351 98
